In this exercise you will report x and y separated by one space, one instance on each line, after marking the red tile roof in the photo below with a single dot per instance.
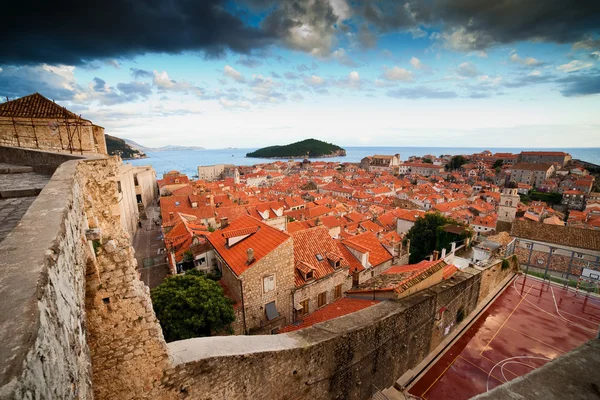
336 309
263 241
310 242
35 106
377 253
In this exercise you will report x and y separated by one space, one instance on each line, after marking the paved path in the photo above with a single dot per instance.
11 212
148 242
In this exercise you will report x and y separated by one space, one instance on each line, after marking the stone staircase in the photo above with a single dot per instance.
19 186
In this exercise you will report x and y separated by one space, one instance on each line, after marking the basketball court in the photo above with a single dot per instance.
530 323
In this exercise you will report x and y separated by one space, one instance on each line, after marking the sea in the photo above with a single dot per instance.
187 161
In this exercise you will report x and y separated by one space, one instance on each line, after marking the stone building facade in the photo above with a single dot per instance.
549 157
146 189
531 173
257 264
38 123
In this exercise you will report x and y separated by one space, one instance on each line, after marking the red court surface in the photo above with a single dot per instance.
529 324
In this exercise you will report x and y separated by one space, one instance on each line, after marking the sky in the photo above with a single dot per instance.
253 73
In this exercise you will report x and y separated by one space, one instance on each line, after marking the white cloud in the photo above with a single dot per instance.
529 61
535 72
234 105
397 74
461 40
233 74
467 70
574 65
163 82
417 64
343 58
314 80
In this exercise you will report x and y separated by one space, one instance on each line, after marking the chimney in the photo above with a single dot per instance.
431 257
318 222
212 200
443 253
436 255
453 249
171 215
250 254
224 222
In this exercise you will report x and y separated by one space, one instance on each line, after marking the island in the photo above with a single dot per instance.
309 148
118 147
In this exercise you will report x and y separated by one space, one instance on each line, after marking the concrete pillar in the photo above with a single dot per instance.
453 249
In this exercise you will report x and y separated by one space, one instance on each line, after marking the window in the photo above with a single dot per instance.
119 189
338 291
319 257
578 255
271 311
322 300
304 304
268 283
308 276
135 181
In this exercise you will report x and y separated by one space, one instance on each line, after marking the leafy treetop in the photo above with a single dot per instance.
191 305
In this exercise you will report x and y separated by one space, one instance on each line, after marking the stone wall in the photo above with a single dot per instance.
337 359
43 349
125 339
41 161
51 134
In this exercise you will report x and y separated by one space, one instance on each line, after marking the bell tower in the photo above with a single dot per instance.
509 200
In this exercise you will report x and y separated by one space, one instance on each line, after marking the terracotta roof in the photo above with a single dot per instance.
349 257
561 235
377 253
402 280
334 310
310 242
34 106
229 233
544 153
263 241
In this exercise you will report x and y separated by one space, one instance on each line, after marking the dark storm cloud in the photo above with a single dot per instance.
580 85
422 92
478 24
67 32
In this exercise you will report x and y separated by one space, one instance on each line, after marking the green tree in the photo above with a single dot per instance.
498 164
455 163
427 161
424 235
191 305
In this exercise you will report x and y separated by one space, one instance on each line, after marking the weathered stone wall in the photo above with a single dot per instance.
494 275
125 339
50 134
43 349
41 161
337 359
281 262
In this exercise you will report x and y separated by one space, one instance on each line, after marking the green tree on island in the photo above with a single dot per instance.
427 235
191 305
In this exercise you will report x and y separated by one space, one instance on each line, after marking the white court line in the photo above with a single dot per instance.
555 284
509 359
568 320
512 362
549 313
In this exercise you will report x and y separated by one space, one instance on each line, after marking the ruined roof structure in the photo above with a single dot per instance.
34 106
